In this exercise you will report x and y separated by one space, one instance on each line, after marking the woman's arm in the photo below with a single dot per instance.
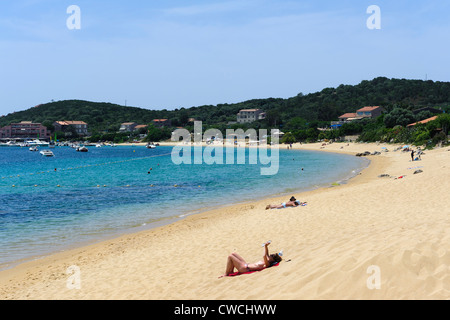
266 254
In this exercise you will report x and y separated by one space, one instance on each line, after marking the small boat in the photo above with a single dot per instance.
47 153
82 149
33 149
37 143
150 146
9 144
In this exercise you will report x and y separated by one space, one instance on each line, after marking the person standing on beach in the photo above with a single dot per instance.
412 155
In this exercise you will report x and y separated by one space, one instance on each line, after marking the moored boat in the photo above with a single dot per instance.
47 153
82 149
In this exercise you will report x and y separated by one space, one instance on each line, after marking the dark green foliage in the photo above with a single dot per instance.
399 116
155 134
322 106
300 115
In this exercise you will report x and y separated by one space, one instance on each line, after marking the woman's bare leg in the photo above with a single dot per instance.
273 206
238 257
235 261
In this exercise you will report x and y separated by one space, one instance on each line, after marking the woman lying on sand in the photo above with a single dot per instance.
236 261
292 203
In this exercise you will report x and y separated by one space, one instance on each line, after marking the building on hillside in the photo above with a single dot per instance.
128 127
80 127
160 123
250 115
348 117
25 130
423 121
369 112
363 113
141 126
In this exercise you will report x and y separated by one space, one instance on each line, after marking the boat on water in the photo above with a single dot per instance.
36 142
34 149
151 146
82 149
9 144
47 153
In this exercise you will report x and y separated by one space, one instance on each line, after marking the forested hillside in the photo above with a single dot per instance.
317 108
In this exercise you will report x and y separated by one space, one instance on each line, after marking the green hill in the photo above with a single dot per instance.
323 106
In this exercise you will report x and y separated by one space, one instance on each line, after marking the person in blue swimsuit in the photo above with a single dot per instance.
292 203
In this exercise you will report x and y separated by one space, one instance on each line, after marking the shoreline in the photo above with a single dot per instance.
179 216
211 233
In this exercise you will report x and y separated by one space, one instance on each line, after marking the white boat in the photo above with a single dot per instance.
47 153
151 146
33 149
36 142
9 144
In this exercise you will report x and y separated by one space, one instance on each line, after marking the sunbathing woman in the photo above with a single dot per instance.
292 203
235 261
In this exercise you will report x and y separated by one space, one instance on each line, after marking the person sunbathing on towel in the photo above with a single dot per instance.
235 261
292 203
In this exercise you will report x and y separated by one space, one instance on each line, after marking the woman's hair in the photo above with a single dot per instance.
276 258
292 199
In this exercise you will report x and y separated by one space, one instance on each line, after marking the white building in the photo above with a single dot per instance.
250 115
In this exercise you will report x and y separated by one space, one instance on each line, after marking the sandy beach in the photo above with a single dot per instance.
371 238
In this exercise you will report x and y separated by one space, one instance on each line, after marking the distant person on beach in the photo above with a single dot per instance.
291 203
235 261
412 155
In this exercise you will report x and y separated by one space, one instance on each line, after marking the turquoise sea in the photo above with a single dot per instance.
51 204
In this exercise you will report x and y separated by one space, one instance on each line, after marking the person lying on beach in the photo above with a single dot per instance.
235 261
291 203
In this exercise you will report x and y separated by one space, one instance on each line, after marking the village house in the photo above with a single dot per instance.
423 121
128 127
369 112
347 117
141 126
25 130
80 127
160 123
363 113
250 115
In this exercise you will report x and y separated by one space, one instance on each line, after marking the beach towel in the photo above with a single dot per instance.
249 272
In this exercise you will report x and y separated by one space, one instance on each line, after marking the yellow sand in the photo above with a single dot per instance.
401 226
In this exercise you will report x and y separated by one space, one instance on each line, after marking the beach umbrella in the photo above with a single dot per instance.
404 147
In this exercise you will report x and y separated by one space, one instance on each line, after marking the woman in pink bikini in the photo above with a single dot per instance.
235 261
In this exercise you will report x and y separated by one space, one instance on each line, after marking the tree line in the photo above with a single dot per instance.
300 116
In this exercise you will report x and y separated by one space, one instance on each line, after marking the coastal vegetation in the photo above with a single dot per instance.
303 118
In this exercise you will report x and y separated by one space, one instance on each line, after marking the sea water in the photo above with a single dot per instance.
48 204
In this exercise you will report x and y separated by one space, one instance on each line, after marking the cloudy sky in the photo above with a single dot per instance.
167 54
